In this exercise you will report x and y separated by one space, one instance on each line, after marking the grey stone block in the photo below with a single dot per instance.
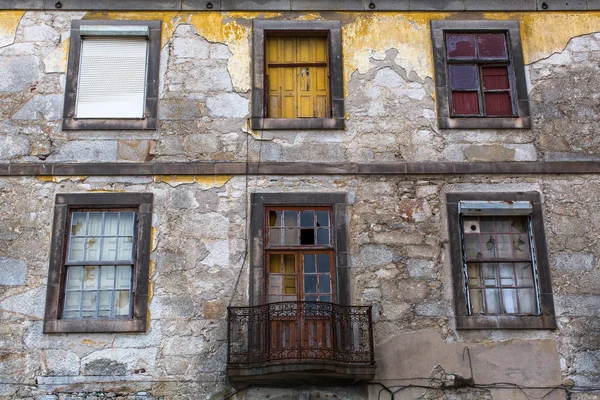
431 5
13 146
144 5
574 261
577 305
178 110
389 5
255 5
556 5
345 5
76 5
432 309
228 105
508 5
12 272
27 4
421 269
48 106
371 256
18 73
4 4
87 151
200 5
28 303
593 5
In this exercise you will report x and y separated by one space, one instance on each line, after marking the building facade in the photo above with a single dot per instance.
299 200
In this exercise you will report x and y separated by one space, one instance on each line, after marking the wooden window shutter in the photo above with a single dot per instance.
112 77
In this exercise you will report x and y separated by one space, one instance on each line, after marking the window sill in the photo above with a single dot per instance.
484 123
94 325
259 123
505 322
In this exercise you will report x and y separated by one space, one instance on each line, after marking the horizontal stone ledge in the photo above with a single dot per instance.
299 168
301 5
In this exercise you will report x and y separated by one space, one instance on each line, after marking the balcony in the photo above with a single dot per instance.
299 342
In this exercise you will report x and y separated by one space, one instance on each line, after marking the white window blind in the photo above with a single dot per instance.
112 78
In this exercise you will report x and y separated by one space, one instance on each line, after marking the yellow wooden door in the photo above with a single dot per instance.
297 76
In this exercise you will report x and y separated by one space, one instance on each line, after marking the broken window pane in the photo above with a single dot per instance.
307 236
274 218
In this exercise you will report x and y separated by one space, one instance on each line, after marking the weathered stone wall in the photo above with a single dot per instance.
399 265
398 246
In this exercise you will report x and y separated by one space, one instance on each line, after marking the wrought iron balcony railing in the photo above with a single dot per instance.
299 332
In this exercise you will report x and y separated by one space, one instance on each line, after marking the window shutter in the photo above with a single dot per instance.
112 78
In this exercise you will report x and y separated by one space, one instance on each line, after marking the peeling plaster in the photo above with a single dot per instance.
58 179
9 22
56 60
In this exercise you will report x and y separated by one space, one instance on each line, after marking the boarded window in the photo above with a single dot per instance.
480 75
297 77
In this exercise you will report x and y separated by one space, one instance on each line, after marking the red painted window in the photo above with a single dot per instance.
479 73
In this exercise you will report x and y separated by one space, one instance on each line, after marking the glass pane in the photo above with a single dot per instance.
92 249
492 301
324 263
72 301
326 299
90 278
518 224
307 237
309 263
465 103
504 246
74 278
489 275
488 247
104 303
125 248
474 274
109 249
322 236
123 280
509 296
78 224
289 262
307 218
498 103
107 277
322 218
275 264
524 277
461 46
503 225
324 284
472 246
126 224
463 77
122 303
310 284
275 284
274 218
88 304
111 222
290 218
289 285
492 45
94 224
506 275
495 78
486 224
521 246
476 297
291 236
527 301
76 252
275 237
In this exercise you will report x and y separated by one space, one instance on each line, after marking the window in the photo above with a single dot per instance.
99 264
300 250
112 76
297 80
299 254
480 77
499 261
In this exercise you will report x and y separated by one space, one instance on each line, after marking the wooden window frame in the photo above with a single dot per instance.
149 122
65 204
516 66
338 205
263 28
545 318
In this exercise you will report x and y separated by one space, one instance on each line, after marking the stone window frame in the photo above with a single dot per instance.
259 119
70 122
64 205
338 203
546 318
511 28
